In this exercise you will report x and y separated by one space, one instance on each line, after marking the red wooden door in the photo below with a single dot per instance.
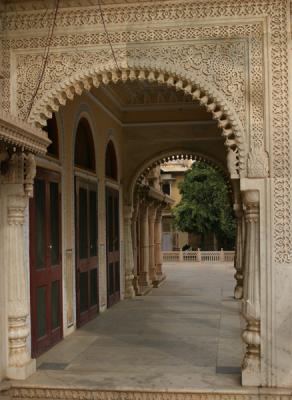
113 246
45 262
86 251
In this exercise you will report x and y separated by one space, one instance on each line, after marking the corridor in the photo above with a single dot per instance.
184 335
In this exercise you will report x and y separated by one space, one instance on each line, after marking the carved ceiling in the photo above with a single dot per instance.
141 101
143 94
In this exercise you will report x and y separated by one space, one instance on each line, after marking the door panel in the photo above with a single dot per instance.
113 244
86 251
45 262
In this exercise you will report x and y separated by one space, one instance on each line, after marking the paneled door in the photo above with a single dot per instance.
86 251
113 246
45 261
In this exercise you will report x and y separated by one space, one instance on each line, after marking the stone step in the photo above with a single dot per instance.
63 393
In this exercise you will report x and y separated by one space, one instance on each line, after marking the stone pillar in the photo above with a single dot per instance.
251 291
143 278
135 246
128 253
151 219
20 365
160 276
16 188
239 248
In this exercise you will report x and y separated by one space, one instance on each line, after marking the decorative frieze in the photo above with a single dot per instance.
37 393
16 132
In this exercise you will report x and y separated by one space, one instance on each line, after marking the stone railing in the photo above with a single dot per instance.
198 256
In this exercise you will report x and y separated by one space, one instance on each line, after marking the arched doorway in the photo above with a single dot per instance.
46 252
230 133
112 225
86 224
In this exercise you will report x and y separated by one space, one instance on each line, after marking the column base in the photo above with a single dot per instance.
143 290
250 375
129 287
129 293
159 280
22 372
152 274
238 292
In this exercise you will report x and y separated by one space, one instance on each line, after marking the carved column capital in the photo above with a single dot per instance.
15 210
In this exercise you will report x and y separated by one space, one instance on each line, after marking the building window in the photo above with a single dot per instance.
111 168
52 131
84 146
166 188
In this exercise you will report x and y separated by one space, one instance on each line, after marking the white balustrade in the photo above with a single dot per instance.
197 256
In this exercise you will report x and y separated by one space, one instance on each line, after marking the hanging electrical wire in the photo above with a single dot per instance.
108 36
45 57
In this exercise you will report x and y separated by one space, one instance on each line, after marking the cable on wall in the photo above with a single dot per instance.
108 36
45 57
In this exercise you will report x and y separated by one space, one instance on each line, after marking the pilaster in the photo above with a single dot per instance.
128 253
251 366
16 188
239 251
160 276
151 219
143 279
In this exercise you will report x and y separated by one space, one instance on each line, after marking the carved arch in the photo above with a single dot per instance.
77 83
176 154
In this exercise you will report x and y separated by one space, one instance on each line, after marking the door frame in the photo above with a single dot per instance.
88 264
38 346
116 296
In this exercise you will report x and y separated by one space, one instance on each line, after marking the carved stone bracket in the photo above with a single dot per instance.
257 163
18 168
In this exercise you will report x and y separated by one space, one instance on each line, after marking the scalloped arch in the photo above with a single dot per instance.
77 83
169 155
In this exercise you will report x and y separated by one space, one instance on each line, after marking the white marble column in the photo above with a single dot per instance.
151 219
20 364
251 368
128 253
160 276
143 278
239 249
135 245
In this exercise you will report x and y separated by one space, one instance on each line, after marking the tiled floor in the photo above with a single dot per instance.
184 335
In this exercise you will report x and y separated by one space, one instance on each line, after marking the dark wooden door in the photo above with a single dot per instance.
45 261
113 246
86 251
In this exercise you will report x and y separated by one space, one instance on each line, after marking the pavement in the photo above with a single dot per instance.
182 336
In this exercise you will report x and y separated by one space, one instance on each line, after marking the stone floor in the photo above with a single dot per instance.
183 336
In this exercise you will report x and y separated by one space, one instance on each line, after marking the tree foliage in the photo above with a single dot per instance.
205 206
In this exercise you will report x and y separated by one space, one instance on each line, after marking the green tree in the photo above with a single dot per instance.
205 206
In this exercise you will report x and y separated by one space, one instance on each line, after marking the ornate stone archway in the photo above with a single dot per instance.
234 53
227 119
